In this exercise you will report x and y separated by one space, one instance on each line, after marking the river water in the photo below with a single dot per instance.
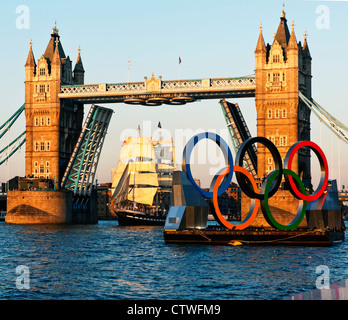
110 262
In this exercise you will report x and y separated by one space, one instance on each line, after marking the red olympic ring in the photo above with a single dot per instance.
323 167
254 206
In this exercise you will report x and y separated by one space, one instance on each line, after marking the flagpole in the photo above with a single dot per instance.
128 69
179 68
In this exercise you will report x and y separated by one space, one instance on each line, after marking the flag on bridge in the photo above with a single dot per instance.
159 125
179 60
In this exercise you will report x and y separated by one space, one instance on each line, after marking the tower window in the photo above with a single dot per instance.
36 122
269 114
276 114
276 58
42 121
42 71
36 146
48 121
36 164
284 114
48 146
42 146
284 77
42 88
276 77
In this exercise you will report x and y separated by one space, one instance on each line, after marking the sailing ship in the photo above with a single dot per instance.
142 181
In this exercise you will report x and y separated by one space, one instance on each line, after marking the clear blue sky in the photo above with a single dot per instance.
213 38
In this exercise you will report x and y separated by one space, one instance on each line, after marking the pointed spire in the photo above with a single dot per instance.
52 45
30 60
283 11
283 34
292 41
55 31
56 56
305 47
260 47
79 65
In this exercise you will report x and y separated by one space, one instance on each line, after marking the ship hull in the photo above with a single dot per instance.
133 218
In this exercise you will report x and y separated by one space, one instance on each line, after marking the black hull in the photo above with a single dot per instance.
254 236
135 219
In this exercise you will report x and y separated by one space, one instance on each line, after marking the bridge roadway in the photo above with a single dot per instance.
154 91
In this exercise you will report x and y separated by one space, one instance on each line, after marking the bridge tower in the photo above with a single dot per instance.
52 126
281 71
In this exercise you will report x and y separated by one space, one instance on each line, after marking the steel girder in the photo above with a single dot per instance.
80 172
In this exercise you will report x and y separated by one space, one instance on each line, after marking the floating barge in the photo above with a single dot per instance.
254 236
186 222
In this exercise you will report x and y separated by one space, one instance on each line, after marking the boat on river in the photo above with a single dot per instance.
142 181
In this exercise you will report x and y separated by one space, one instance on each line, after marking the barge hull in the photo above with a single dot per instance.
255 236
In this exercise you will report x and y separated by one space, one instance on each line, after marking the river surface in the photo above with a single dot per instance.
110 262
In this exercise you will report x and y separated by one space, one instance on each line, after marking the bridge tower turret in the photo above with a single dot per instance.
52 126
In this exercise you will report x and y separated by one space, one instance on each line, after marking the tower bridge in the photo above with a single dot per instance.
63 150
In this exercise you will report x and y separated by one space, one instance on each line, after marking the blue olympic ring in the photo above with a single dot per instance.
186 167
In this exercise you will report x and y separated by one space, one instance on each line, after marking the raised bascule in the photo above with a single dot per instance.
62 153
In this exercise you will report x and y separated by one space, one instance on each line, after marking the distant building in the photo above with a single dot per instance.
230 203
103 197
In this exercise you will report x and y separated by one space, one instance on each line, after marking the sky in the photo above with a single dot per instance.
214 39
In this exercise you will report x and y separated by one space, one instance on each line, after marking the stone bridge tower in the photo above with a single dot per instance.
52 126
282 70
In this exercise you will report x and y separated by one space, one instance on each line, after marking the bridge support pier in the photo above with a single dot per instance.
48 207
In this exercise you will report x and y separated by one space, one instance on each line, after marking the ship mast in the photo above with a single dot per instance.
135 168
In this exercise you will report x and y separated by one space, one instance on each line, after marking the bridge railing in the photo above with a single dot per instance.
193 85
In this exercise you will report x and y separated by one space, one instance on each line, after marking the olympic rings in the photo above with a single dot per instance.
265 207
324 176
269 187
186 167
254 206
